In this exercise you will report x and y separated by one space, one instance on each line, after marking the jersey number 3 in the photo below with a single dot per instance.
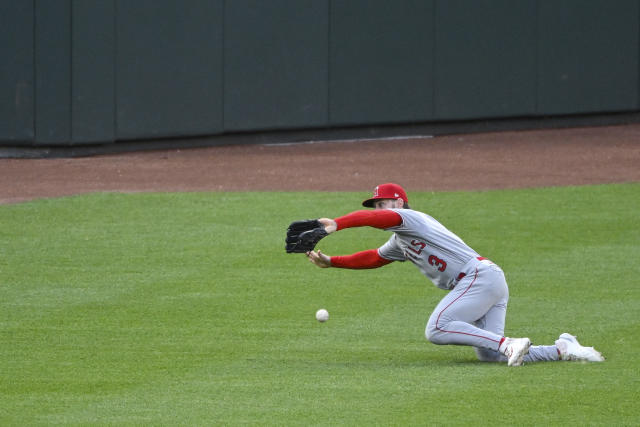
437 262
440 264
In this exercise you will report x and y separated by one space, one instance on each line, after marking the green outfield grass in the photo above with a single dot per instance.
185 309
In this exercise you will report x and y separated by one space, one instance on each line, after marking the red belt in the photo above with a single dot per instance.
461 275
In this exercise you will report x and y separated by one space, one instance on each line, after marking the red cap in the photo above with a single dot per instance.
386 191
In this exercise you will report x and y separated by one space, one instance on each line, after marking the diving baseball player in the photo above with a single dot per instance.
473 311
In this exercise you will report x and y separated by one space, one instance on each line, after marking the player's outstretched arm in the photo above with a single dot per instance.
379 218
360 260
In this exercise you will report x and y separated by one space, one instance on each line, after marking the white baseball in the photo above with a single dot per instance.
322 315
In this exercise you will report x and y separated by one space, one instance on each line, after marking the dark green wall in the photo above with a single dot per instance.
95 71
275 64
588 56
168 68
485 58
93 52
16 72
381 61
52 31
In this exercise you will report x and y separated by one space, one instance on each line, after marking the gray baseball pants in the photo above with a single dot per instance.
473 313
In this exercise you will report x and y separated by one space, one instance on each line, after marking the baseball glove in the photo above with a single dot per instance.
303 236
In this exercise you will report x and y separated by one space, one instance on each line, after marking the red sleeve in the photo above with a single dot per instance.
380 218
360 260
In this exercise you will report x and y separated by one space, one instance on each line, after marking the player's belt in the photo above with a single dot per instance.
461 275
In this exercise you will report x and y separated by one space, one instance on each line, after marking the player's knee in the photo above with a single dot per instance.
434 334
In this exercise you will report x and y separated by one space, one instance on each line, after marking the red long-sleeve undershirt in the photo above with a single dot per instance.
381 218
370 258
360 260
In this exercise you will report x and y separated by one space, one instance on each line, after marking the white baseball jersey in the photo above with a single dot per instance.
436 251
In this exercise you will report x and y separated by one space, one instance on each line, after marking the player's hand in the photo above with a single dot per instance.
329 225
319 259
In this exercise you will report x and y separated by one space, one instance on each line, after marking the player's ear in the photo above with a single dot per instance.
399 203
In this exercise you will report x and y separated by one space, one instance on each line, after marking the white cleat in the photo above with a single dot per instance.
570 349
515 349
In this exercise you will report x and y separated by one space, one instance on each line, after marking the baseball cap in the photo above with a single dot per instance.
386 191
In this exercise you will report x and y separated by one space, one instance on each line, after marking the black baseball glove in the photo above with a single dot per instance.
302 236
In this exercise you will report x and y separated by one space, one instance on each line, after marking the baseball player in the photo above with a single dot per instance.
474 309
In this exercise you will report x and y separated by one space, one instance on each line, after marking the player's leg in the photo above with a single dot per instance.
474 314
452 321
566 347
494 321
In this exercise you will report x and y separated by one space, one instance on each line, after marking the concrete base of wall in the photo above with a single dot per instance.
332 134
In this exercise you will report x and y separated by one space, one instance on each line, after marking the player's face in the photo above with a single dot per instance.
388 204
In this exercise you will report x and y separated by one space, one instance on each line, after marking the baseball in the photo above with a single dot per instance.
322 315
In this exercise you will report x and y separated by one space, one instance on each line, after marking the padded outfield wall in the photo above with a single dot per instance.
81 72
